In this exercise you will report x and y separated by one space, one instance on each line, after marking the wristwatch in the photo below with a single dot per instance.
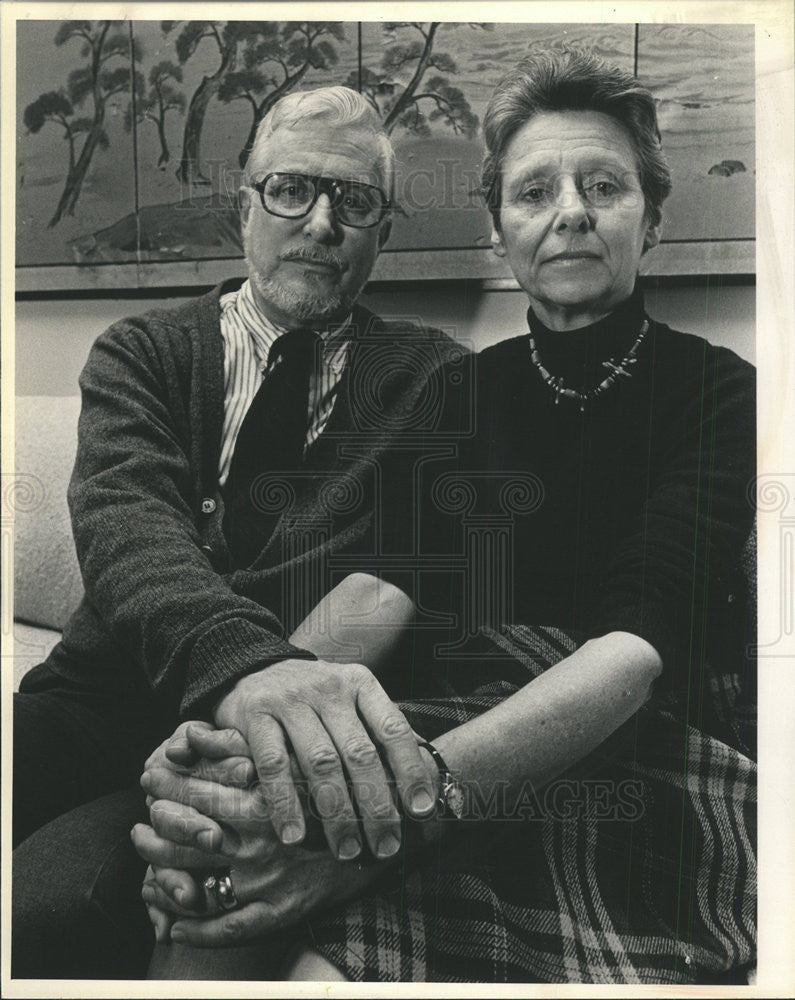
451 794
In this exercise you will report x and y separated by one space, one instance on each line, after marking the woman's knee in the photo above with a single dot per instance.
308 965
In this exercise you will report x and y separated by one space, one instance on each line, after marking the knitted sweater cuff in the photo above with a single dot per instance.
226 652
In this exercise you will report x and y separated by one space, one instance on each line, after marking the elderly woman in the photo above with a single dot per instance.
596 781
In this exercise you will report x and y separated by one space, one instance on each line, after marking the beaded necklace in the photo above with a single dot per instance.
556 383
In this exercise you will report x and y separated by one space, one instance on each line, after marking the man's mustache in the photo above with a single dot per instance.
315 255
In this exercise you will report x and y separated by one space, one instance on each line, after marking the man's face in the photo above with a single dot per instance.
309 271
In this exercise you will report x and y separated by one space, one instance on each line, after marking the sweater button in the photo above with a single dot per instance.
730 598
208 549
208 506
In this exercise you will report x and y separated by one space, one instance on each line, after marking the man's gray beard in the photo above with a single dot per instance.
302 306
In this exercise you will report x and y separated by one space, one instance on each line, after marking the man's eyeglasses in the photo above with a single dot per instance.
292 196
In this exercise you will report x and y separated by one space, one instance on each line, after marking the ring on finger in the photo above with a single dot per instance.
219 887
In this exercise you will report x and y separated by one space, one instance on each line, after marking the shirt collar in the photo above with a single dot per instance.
264 333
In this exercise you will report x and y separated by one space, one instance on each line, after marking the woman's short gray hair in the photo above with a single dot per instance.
572 79
339 106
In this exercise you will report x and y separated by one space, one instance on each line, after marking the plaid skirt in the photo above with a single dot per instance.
638 866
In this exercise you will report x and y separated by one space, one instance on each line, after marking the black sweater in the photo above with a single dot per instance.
635 511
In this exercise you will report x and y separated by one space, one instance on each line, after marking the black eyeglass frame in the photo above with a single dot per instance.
333 187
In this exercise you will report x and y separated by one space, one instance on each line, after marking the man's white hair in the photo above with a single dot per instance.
338 106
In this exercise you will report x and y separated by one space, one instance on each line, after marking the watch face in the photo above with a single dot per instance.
454 799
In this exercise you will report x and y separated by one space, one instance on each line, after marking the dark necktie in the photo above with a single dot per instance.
270 443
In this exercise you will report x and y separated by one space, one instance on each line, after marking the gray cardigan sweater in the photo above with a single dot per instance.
164 610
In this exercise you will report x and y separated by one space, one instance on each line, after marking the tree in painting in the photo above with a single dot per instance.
401 103
161 98
223 36
258 62
276 56
91 85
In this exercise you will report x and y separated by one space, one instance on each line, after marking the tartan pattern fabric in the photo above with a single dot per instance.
637 867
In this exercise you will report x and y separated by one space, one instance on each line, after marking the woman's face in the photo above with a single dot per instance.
573 221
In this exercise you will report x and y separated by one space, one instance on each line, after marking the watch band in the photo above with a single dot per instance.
451 795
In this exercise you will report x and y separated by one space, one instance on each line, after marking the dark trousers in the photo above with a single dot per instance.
76 890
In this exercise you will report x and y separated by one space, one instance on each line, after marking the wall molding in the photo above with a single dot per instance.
683 259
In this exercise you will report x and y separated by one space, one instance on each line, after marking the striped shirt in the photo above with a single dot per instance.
248 337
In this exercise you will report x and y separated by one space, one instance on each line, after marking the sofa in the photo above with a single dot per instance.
47 582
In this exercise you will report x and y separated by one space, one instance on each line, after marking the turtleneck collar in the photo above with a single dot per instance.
577 355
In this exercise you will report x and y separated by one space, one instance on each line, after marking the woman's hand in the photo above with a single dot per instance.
196 749
160 918
275 886
198 823
200 750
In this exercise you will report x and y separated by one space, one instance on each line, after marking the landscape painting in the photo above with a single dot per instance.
132 136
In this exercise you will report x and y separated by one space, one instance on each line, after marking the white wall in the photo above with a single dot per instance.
53 336
725 316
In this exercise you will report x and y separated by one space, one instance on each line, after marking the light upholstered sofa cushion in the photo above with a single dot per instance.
32 644
47 583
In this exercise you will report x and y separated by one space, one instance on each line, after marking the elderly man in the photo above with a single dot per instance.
228 451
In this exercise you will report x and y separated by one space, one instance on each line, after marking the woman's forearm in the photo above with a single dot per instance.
555 720
531 737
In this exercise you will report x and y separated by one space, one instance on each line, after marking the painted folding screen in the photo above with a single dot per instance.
131 137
